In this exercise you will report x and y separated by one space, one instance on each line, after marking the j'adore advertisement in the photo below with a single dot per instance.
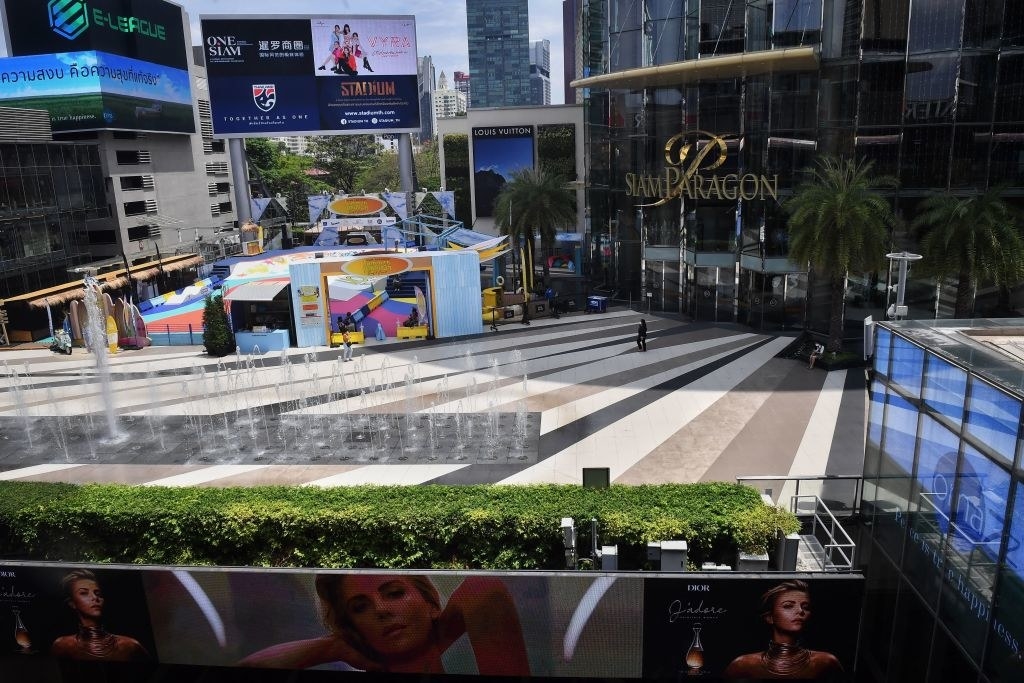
307 74
739 628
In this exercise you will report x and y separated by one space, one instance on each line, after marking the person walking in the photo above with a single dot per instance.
526 313
641 335
346 342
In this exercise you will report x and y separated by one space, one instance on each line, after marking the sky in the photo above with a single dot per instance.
440 25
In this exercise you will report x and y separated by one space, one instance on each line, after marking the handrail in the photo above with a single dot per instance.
830 526
854 503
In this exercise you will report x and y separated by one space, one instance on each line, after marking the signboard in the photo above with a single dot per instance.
377 266
356 206
498 152
543 624
147 30
311 306
97 90
306 74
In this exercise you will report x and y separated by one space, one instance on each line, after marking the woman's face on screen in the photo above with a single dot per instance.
86 598
390 614
791 611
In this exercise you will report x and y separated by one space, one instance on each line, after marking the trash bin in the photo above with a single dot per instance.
597 304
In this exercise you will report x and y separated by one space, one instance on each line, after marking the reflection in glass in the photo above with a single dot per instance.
945 387
935 25
992 419
907 366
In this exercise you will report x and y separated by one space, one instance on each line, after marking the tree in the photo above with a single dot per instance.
535 202
967 238
344 157
283 174
218 338
838 223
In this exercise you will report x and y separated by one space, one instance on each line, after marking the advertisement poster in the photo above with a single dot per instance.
151 31
290 75
311 311
751 628
75 613
498 152
97 90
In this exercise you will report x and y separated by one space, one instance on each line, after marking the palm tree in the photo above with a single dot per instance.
970 237
535 202
839 223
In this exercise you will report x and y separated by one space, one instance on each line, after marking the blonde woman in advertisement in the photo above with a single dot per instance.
84 597
786 609
395 623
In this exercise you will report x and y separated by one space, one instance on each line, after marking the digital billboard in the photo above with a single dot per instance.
292 75
498 152
147 30
95 90
537 624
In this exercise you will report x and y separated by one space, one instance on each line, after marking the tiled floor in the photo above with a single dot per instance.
522 405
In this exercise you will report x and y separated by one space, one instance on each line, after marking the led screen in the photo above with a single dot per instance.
95 90
288 75
498 152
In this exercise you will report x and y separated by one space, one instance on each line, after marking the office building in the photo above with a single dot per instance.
499 52
540 72
448 103
572 43
294 144
426 82
461 82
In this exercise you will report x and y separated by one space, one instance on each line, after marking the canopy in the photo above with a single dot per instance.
264 290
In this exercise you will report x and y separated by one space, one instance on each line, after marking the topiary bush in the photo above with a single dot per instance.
218 338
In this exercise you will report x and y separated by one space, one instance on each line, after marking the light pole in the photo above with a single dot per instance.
899 310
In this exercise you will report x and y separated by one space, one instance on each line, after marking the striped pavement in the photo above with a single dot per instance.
704 402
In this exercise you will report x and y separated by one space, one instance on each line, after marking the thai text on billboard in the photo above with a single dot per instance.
295 75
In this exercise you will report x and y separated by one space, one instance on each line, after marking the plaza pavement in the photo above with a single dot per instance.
705 402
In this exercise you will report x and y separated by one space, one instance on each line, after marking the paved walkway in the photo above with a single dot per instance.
526 404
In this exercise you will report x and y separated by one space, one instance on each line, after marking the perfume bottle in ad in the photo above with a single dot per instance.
21 636
695 655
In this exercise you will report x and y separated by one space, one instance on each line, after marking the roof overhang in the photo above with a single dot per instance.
706 68
263 290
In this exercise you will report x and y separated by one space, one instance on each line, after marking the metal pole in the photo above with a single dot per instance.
240 169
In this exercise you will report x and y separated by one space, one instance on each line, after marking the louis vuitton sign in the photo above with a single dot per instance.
690 159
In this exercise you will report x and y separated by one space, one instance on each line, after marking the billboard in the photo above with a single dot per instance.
147 30
567 625
498 152
292 75
92 90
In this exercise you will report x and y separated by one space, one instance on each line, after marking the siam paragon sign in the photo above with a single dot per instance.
690 159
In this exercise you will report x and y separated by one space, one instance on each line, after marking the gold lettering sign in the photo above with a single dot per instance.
687 174
377 266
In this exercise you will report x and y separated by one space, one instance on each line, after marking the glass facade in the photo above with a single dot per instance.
499 52
931 91
49 193
943 491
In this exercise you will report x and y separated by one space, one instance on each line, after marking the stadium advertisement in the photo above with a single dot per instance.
96 90
147 30
565 625
292 75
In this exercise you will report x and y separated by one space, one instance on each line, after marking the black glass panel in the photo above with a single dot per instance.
925 156
1008 154
983 22
838 95
969 166
1013 24
1004 660
935 25
721 27
931 89
880 146
975 87
1010 92
796 22
880 100
880 596
794 101
911 638
948 663
885 25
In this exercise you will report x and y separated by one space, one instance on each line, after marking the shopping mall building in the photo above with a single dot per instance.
701 115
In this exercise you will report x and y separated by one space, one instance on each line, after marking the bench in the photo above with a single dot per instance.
418 332
353 337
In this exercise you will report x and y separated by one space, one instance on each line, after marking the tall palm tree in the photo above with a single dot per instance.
969 238
839 223
535 203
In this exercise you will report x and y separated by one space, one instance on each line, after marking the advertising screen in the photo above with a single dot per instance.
147 30
290 75
92 90
498 152
578 625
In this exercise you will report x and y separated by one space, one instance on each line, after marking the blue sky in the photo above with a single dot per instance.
440 25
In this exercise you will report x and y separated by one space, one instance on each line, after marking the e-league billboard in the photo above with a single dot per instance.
147 30
291 75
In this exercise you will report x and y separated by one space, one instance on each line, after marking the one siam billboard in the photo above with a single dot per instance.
544 624
95 90
498 153
291 75
147 30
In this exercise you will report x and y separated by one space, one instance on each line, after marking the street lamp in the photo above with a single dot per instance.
898 311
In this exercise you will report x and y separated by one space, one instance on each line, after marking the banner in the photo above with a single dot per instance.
498 152
258 205
398 201
96 90
317 203
294 75
545 624
447 201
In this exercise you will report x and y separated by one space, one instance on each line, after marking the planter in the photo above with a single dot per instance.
751 562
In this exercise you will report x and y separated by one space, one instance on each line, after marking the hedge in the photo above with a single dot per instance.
492 527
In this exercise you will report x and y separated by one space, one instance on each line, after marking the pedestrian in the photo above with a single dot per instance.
494 319
346 342
526 313
815 355
641 335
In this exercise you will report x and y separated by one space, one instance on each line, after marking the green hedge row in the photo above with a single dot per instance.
493 527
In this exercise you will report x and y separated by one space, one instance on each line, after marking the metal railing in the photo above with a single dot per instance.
838 548
835 488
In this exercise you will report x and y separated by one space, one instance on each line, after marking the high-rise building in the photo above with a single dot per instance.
572 56
499 52
460 82
294 144
426 90
540 72
448 103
